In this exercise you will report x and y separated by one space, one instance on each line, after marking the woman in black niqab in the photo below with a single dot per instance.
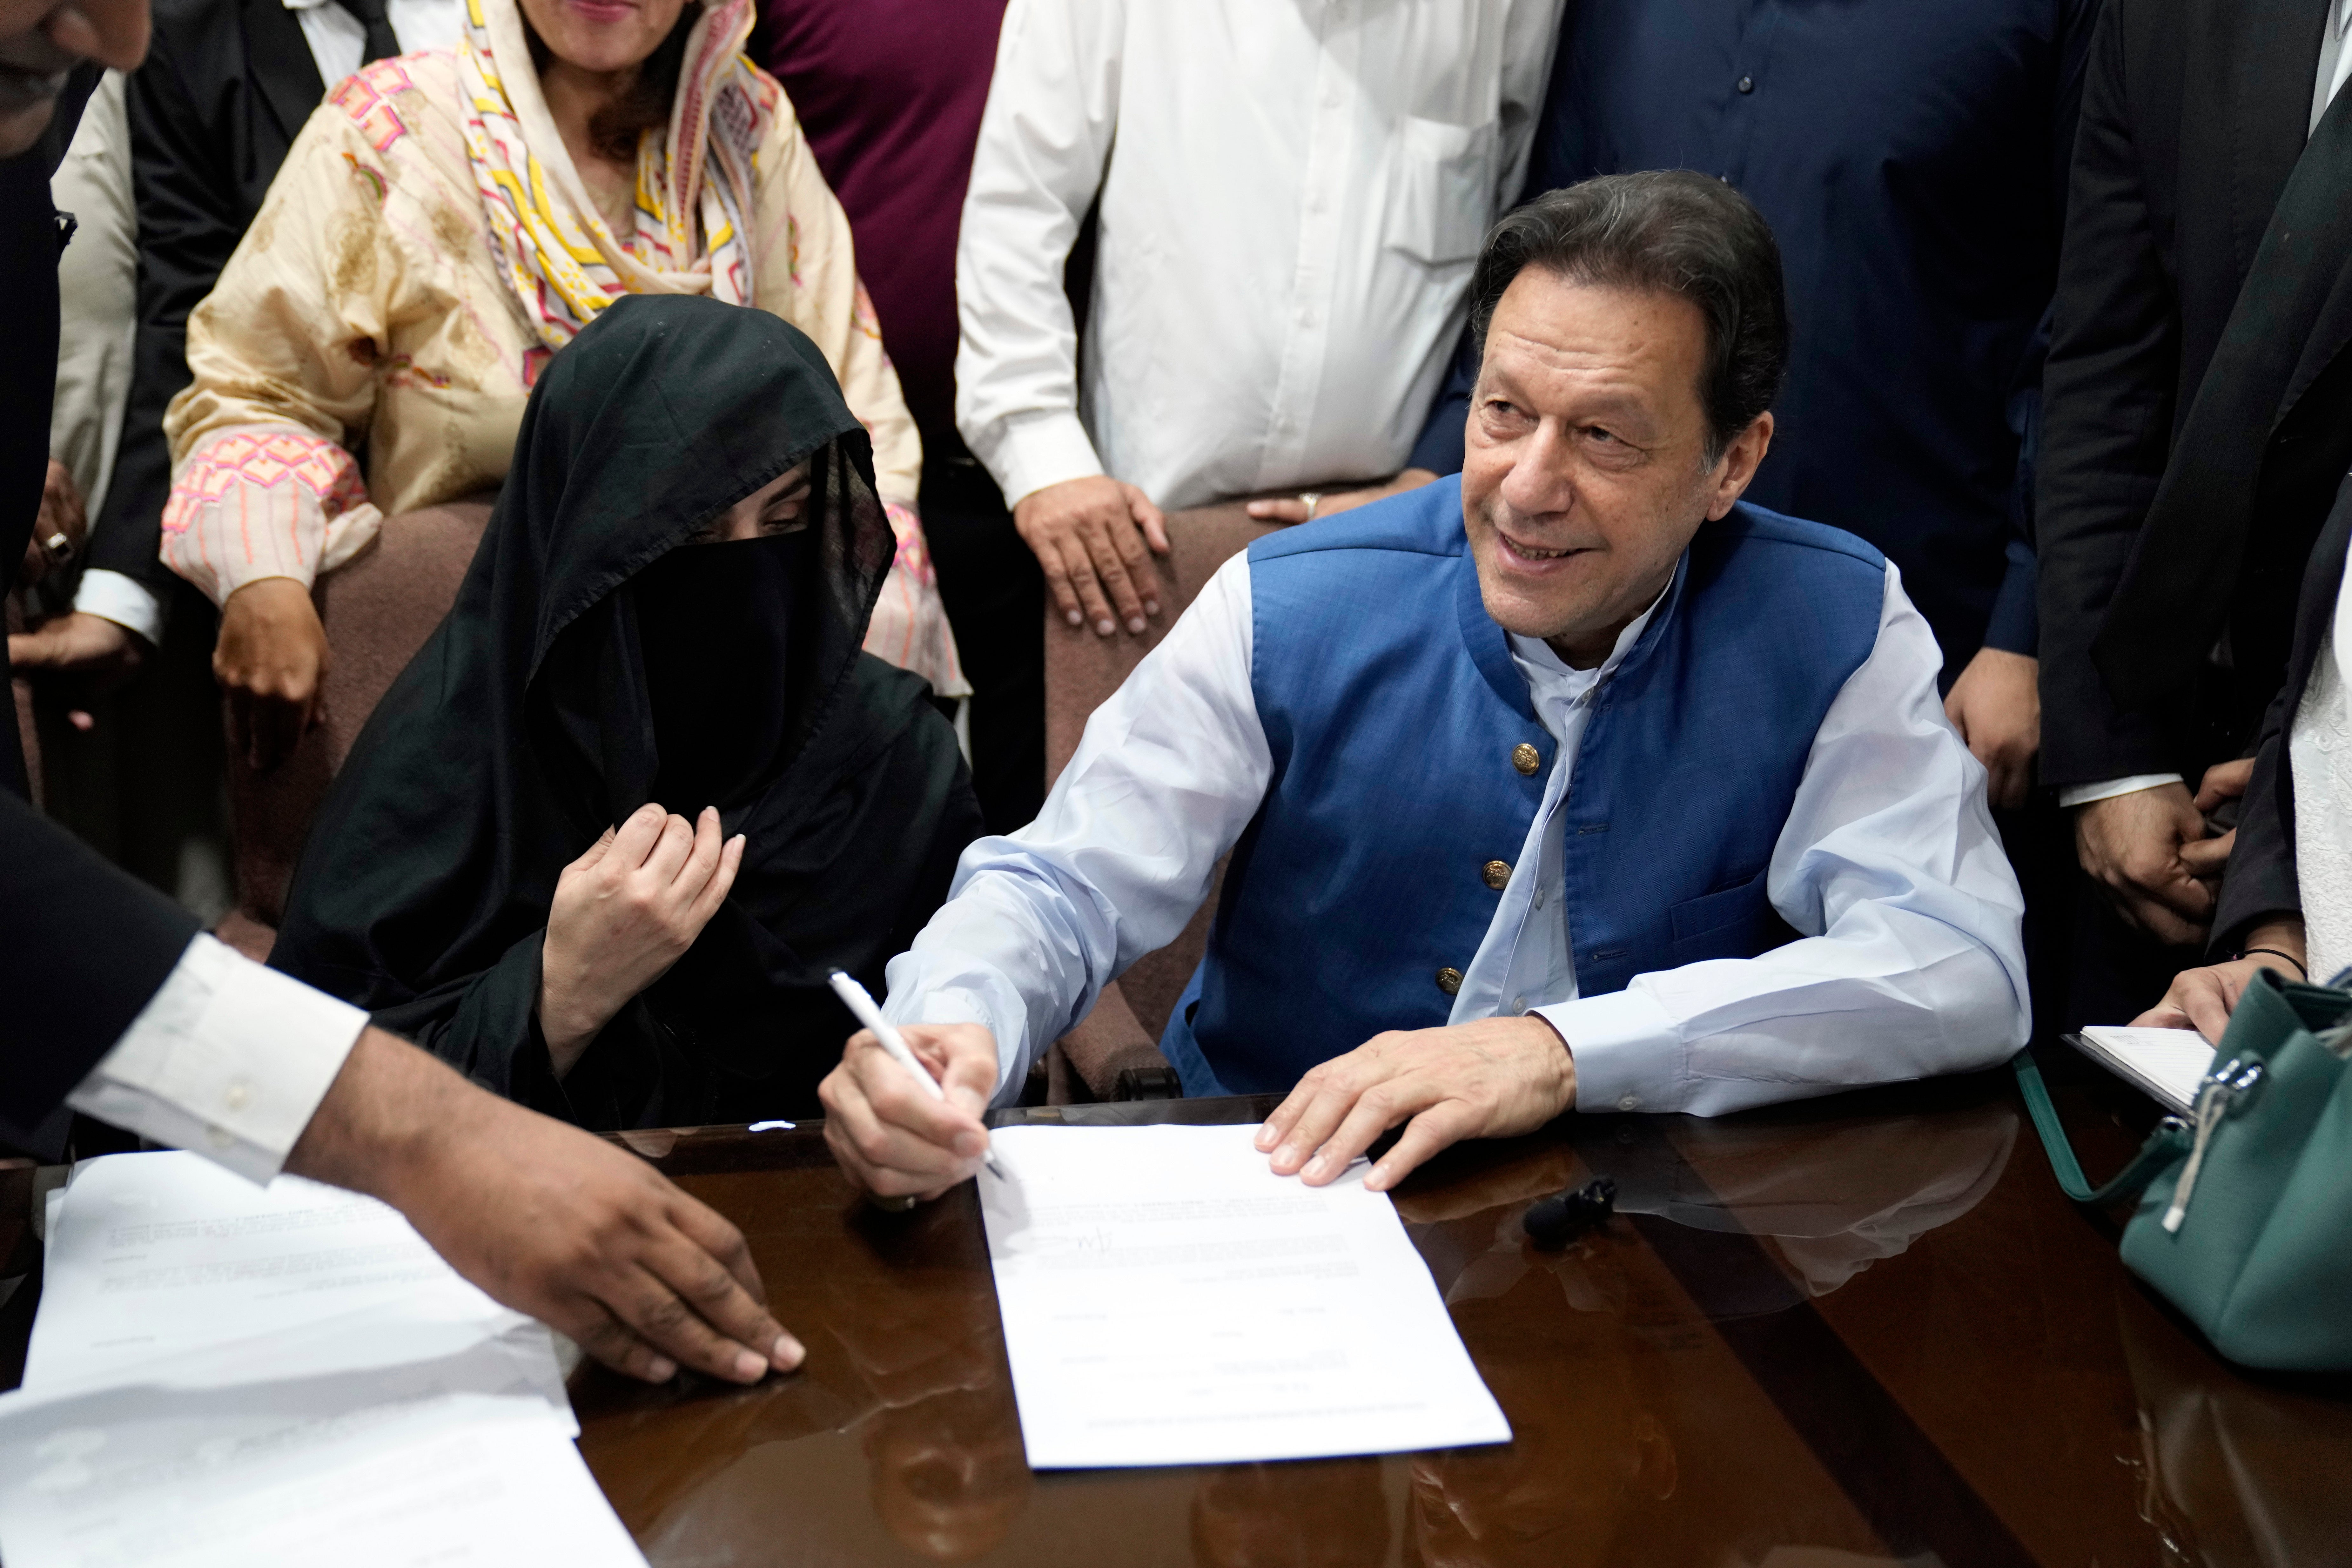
600 656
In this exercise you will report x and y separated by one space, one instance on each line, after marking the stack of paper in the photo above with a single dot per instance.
224 1375
1169 1300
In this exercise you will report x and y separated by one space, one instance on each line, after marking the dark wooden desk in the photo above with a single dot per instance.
1858 1330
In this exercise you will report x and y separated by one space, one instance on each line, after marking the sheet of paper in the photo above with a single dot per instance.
1169 1300
445 1454
2165 1063
154 1255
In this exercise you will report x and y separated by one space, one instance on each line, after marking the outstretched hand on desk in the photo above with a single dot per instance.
546 1218
892 1138
1496 1077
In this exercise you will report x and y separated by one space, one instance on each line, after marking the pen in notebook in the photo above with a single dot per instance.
855 997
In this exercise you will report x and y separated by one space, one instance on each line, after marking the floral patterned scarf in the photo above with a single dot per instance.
693 180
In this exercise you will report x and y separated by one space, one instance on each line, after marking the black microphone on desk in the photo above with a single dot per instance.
1552 1223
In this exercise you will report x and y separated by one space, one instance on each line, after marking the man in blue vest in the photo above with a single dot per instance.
1575 783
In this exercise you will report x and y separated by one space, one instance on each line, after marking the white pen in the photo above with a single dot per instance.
855 997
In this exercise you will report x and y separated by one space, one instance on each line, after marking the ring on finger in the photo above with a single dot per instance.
1310 499
898 1204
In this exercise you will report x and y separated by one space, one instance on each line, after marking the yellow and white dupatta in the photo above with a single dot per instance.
693 180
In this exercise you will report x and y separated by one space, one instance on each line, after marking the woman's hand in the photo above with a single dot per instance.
625 913
2204 999
271 660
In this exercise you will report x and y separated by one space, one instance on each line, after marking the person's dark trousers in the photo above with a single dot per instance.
995 599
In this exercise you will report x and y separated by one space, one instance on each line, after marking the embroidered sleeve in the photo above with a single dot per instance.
266 501
283 355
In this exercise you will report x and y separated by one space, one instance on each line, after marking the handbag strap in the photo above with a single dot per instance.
2163 1147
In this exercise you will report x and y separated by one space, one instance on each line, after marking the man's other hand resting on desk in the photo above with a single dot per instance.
1494 1078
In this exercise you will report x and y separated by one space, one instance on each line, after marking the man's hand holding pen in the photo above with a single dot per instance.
896 1140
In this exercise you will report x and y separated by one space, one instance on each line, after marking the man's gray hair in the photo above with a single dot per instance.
1669 231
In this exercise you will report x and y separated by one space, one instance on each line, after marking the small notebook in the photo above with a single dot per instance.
2167 1064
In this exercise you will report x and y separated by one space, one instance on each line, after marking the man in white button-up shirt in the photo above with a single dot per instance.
1291 197
1760 863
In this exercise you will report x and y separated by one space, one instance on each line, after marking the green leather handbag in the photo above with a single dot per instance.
2244 1220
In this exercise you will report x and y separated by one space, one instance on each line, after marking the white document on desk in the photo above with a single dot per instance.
154 1256
1169 1300
277 1451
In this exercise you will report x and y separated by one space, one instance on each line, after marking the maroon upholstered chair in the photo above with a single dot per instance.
1081 670
378 611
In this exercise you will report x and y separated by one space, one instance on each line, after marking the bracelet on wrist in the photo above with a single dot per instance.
2274 952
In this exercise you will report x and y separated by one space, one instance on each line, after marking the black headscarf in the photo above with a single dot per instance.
595 660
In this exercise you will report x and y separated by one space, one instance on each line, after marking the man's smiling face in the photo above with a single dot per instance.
1585 474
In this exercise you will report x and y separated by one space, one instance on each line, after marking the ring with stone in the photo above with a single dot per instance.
57 547
1311 499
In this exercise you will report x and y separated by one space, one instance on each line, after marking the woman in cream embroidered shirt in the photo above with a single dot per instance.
445 224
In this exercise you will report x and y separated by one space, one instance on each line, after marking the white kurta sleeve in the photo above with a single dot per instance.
227 1059
1910 960
1169 773
1045 140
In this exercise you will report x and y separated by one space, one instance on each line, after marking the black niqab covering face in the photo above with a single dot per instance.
714 624
599 658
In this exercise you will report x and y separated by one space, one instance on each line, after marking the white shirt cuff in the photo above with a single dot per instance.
2083 795
227 1059
1627 1049
1029 451
123 600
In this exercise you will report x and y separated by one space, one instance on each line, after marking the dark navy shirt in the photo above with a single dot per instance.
1911 156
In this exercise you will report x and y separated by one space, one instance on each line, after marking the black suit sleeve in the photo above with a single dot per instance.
2107 408
2260 882
2014 627
85 945
190 221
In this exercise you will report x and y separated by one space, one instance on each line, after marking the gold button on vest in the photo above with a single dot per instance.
1449 980
1497 874
1526 758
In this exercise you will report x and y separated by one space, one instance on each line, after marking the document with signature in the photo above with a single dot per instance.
151 1256
1169 1300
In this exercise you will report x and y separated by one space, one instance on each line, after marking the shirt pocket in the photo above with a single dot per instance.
1737 921
1443 189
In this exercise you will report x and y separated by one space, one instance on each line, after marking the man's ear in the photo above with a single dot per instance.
1736 468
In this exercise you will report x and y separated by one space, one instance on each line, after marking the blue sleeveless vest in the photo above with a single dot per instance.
1395 713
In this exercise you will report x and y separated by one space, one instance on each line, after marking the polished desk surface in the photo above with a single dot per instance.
1866 1330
